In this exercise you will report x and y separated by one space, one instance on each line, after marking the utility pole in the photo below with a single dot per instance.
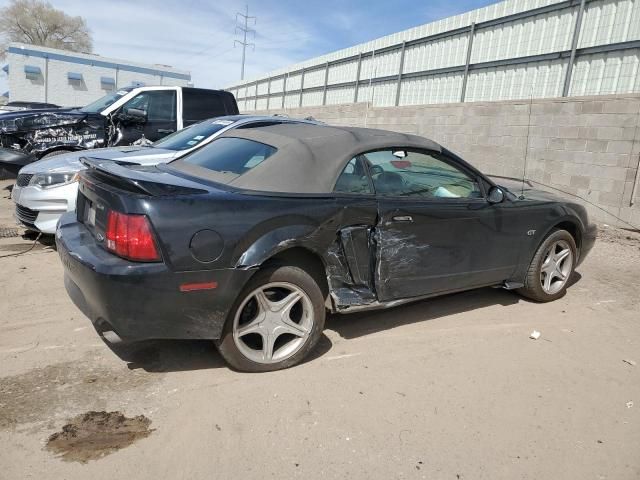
244 29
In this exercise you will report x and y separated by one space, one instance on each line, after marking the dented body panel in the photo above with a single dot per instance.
431 246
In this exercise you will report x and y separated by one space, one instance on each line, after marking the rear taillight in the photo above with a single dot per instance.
130 236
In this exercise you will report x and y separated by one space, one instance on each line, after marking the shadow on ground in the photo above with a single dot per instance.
25 243
45 240
356 325
365 323
160 356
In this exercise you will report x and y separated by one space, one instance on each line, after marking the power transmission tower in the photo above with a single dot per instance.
244 29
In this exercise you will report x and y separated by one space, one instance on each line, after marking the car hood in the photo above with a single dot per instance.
527 190
10 113
70 162
25 120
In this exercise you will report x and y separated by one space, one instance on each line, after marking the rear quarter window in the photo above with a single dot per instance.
201 104
230 155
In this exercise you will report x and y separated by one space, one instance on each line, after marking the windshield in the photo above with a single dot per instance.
191 136
102 103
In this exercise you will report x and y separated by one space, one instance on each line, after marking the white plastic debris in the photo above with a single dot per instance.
629 404
535 335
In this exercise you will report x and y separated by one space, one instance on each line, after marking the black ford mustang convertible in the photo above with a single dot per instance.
252 239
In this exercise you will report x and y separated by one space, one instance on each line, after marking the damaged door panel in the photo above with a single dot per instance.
436 231
349 258
356 242
425 247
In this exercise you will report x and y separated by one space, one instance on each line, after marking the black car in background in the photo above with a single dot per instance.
251 239
127 116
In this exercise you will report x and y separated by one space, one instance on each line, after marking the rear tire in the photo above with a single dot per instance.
275 322
551 268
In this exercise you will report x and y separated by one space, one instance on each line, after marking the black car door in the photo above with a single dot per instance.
161 114
151 113
436 231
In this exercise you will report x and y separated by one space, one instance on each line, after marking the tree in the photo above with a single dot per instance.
36 22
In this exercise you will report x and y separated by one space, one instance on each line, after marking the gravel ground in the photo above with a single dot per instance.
450 388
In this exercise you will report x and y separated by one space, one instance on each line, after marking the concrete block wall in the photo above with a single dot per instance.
586 146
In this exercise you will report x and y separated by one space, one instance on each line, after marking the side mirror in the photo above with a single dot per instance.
496 195
136 114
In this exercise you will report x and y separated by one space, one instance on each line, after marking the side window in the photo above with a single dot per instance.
162 106
200 104
159 106
139 102
419 174
353 178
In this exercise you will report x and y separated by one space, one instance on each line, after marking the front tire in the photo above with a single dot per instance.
551 268
276 321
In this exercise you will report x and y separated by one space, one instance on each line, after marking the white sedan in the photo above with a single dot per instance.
46 189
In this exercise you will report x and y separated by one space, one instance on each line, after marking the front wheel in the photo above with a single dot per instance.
551 268
276 321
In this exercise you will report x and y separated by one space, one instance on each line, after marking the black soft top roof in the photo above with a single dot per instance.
309 158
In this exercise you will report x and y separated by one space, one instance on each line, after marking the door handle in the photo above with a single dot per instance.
165 130
403 218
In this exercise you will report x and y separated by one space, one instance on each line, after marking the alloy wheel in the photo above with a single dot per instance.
556 267
273 322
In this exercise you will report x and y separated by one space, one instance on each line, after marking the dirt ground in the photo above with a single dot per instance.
450 388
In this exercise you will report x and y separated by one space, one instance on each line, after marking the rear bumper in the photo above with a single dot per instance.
13 160
588 241
142 301
40 208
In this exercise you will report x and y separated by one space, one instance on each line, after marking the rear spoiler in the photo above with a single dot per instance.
158 183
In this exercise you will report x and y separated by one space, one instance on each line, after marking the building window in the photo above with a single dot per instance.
108 83
32 72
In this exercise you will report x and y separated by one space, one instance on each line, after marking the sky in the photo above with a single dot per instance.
198 36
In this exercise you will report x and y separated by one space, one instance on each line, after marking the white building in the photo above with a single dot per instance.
509 50
40 74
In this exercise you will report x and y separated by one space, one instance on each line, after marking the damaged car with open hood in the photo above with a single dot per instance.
131 115
250 240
